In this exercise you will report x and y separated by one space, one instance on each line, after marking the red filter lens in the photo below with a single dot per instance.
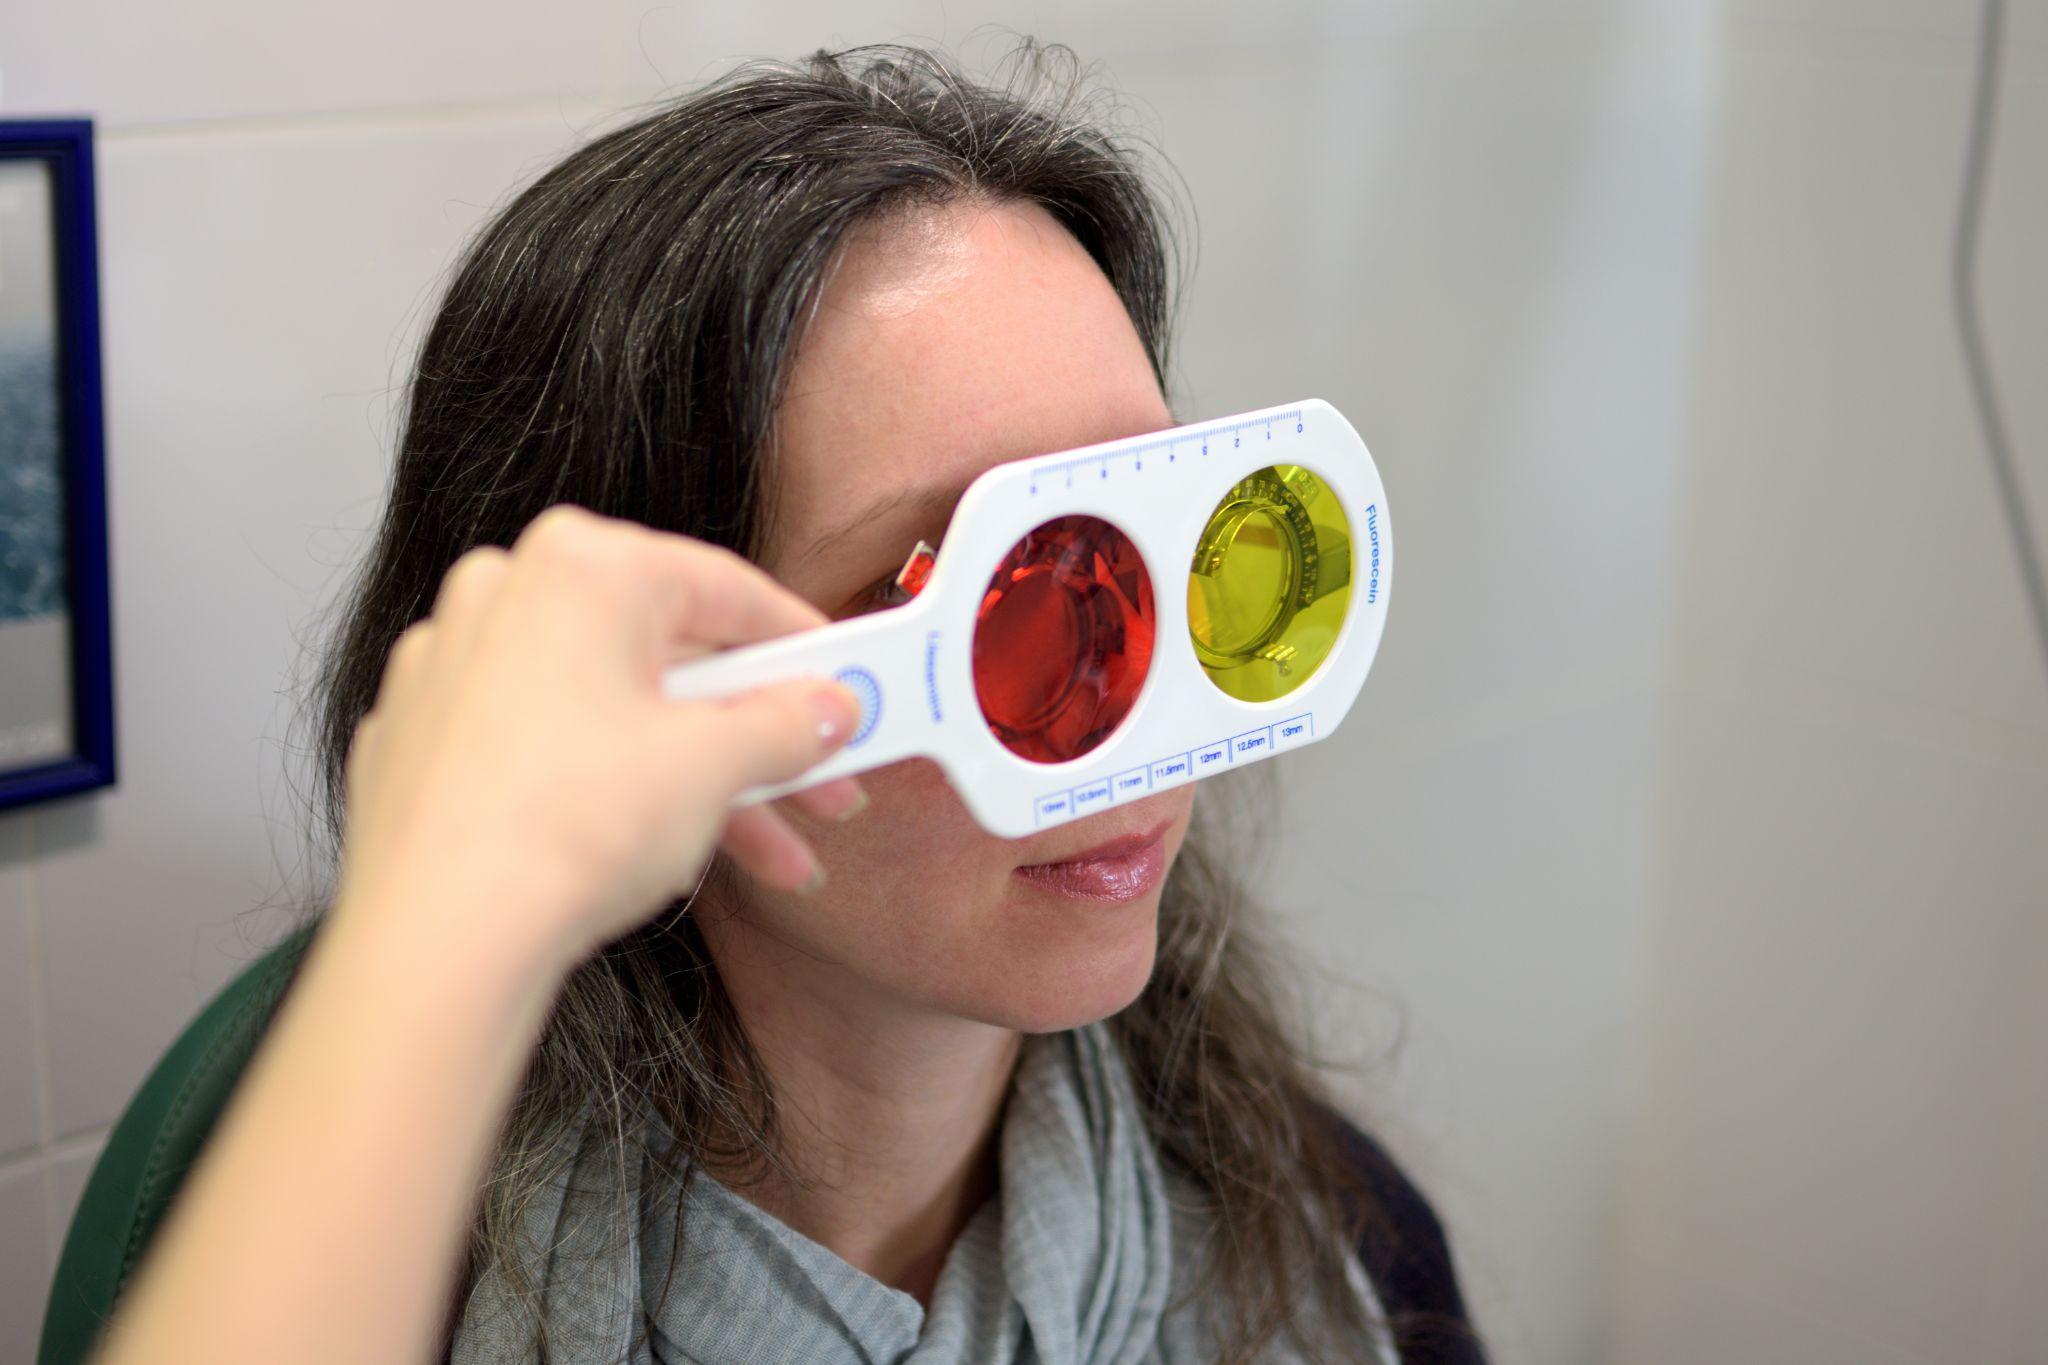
1063 639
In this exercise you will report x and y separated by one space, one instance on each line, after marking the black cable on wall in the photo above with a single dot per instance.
1963 288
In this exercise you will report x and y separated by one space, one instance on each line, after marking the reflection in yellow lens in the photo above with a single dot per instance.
1270 583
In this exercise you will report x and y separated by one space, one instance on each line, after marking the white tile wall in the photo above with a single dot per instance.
25 1259
262 285
1507 341
229 60
245 456
1841 1151
1858 919
1509 868
20 1112
1844 521
1681 838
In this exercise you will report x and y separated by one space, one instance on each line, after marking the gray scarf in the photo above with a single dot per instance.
1084 1256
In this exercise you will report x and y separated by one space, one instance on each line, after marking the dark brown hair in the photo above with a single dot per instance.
617 336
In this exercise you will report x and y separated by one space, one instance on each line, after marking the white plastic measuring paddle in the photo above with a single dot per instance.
1109 621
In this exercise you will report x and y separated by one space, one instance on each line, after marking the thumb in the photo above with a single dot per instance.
767 734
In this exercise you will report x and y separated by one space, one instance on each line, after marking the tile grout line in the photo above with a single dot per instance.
385 118
69 1145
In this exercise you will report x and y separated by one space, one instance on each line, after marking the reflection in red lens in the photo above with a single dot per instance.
1063 639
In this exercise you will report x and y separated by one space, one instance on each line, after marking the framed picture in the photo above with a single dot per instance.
56 658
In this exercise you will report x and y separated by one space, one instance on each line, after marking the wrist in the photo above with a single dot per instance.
485 947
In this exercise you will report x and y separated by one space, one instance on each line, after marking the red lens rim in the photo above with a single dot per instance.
1063 639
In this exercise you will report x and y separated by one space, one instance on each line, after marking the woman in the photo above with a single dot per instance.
882 1087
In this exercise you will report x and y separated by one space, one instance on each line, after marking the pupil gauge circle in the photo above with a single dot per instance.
1270 583
1063 639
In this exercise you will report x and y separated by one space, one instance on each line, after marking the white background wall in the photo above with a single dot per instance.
1684 861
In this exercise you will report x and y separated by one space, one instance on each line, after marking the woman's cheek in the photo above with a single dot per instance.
915 827
912 877
913 905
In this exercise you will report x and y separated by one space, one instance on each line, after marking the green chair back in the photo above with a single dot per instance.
153 1145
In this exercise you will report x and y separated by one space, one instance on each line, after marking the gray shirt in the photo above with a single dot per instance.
1084 1256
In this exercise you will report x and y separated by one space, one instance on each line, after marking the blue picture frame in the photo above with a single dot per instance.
56 646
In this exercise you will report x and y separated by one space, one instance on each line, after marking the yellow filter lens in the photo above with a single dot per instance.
1270 583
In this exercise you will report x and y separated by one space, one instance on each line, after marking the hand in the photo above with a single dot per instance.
520 770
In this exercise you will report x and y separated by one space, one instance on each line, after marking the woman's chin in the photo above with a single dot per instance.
1050 982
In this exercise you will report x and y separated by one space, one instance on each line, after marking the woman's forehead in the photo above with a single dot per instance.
946 343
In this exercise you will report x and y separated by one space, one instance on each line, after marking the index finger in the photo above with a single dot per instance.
701 596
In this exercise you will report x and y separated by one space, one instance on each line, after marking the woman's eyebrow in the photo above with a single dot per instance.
923 498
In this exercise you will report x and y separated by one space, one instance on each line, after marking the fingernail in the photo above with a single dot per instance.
836 713
815 880
858 804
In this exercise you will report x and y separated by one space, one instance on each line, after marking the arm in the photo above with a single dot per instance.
325 1218
506 817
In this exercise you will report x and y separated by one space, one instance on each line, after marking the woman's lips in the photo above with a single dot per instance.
1121 870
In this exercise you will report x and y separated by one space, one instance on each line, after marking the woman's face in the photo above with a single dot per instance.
947 340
